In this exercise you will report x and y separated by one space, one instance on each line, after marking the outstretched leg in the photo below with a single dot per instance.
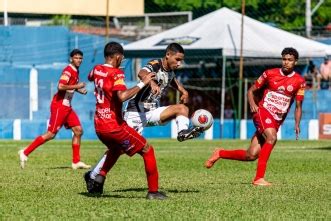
250 154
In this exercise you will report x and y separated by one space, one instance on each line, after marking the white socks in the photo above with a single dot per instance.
97 168
182 123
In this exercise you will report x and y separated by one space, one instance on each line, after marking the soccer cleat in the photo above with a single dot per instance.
261 182
80 165
214 157
89 181
98 183
189 133
23 158
156 196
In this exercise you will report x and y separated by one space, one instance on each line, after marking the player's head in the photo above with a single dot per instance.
174 56
114 53
76 57
290 58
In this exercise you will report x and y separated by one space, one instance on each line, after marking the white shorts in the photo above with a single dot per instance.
139 120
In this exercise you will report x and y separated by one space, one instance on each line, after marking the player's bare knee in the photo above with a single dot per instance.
272 138
182 109
251 157
78 132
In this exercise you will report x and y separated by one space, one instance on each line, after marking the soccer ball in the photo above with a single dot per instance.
202 118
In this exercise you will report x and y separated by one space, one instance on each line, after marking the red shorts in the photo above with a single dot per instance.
263 120
62 116
126 139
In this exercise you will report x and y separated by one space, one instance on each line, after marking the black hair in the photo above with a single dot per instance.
175 47
112 48
76 51
291 51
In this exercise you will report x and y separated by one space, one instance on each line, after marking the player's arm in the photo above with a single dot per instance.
82 91
64 87
129 93
260 82
297 117
184 94
152 66
298 108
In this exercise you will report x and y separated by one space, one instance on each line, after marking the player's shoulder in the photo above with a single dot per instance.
272 71
299 77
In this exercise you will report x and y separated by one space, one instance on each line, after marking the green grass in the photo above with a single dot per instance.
47 189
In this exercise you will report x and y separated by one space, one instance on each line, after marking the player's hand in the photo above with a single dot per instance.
297 132
254 108
148 78
155 88
184 98
83 91
81 85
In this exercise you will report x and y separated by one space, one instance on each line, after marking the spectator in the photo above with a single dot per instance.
312 77
325 70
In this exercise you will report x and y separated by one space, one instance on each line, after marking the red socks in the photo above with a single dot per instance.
151 170
75 153
263 159
36 143
111 159
233 154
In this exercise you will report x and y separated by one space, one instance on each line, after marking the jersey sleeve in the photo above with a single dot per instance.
262 80
119 81
65 77
301 91
152 66
90 76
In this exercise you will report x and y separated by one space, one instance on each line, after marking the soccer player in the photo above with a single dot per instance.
280 87
111 129
144 109
62 112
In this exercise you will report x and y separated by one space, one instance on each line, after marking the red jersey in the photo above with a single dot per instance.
69 76
108 112
280 91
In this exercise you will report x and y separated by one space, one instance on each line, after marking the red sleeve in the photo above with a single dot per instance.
90 76
262 80
65 77
119 81
299 96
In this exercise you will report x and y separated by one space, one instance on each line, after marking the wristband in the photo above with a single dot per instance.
141 84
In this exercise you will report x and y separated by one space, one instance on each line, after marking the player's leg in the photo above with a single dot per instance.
135 120
151 173
180 113
270 136
72 121
56 121
250 154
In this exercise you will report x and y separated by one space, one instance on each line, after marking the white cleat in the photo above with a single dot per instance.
23 158
80 165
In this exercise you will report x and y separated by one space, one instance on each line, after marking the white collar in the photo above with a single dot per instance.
290 75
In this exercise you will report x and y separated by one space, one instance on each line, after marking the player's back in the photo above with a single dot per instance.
107 81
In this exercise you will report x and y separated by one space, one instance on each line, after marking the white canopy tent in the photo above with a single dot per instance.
217 34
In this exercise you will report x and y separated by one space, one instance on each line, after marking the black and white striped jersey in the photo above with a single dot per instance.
145 100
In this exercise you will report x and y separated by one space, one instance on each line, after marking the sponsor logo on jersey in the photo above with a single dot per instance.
290 88
100 73
268 121
281 88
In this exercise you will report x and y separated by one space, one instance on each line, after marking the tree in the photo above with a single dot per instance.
286 14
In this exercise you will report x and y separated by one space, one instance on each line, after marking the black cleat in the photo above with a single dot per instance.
189 133
98 183
89 181
156 196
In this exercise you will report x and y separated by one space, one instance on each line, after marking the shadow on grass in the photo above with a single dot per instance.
183 191
318 148
60 168
108 196
145 190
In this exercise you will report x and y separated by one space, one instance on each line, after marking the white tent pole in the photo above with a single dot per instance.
223 95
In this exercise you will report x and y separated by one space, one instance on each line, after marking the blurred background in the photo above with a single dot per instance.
228 44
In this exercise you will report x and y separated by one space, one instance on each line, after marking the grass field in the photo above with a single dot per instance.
48 189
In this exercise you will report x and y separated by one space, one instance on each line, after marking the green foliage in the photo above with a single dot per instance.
48 189
286 14
64 20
